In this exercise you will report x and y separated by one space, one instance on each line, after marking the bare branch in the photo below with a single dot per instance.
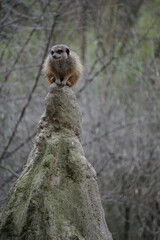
21 51
10 170
35 83
19 146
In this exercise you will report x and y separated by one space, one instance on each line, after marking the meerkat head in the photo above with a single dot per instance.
59 52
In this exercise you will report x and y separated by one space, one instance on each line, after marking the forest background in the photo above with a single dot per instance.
119 94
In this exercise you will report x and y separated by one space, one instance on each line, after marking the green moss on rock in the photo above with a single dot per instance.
56 196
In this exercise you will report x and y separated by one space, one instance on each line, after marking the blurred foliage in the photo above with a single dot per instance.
119 44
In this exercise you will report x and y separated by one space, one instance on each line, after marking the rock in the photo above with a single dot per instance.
56 197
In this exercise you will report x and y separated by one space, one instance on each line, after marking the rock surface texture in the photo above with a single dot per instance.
56 196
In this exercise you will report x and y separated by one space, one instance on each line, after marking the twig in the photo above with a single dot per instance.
10 170
21 51
19 146
128 201
109 132
90 79
34 86
22 67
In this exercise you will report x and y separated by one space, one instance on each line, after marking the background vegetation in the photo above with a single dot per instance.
119 44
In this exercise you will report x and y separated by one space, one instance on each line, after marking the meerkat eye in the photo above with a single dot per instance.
60 51
52 52
67 51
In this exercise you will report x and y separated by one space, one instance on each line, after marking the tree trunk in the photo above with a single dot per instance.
56 196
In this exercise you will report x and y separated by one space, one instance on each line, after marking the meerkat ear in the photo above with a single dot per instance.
67 51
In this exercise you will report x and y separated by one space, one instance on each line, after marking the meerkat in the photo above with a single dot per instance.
62 66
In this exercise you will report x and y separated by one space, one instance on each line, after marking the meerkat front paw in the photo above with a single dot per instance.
53 79
68 84
60 84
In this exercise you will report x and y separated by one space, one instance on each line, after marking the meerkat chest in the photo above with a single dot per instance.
63 67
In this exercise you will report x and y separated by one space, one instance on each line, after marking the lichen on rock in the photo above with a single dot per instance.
56 196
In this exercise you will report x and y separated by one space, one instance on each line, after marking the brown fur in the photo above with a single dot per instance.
62 66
